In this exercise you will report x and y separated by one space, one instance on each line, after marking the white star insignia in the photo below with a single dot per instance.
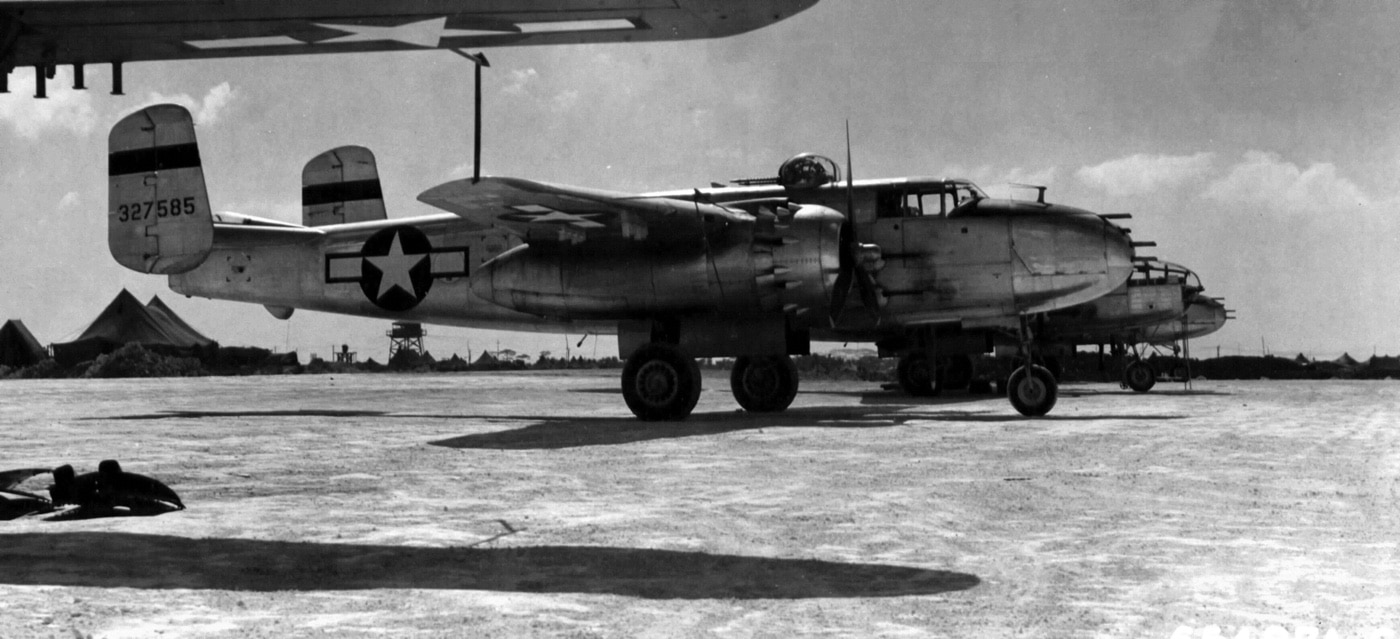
426 33
394 269
546 215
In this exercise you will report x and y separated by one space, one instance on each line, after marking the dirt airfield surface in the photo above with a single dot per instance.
532 504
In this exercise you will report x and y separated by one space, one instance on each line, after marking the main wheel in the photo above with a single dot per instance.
764 383
1139 376
660 382
958 373
1032 390
917 376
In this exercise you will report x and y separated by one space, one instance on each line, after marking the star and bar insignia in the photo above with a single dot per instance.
396 267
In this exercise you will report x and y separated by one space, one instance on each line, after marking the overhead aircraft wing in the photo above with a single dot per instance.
549 213
52 32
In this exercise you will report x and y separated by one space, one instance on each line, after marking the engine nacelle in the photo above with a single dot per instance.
771 265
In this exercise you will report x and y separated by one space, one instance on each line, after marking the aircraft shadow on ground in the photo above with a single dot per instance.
548 433
1153 393
124 560
201 414
571 432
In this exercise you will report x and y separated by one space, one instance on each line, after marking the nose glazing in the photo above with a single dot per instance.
1067 259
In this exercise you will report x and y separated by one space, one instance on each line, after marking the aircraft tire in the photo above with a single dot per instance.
764 383
661 383
1032 390
958 374
1140 376
917 377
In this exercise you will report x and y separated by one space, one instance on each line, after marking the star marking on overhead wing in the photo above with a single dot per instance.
426 33
534 214
396 268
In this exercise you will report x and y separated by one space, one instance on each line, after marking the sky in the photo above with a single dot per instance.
1256 141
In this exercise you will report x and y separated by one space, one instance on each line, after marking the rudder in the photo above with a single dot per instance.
158 218
341 186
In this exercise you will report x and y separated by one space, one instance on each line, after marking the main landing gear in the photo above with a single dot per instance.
918 376
660 382
764 383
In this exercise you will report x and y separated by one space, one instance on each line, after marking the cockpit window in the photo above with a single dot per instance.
932 201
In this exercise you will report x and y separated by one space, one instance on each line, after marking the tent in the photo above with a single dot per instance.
18 348
1346 361
127 321
162 312
1385 364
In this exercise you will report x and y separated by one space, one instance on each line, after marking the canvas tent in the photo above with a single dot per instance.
1346 361
127 321
162 312
18 348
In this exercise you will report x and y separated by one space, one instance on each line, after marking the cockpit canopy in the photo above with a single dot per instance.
1157 272
937 199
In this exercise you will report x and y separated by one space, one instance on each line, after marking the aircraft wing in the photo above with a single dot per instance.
52 32
548 213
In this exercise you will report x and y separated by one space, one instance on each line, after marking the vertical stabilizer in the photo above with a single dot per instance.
341 186
158 217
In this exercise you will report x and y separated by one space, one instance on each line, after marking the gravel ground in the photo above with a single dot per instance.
531 504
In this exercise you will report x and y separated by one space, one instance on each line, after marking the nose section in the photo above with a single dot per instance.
1062 260
1204 316
1118 254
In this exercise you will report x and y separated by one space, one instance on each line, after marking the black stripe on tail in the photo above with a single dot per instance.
335 192
161 158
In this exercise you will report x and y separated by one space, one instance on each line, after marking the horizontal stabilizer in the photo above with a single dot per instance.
158 218
341 186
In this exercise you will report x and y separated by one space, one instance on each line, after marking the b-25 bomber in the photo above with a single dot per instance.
755 271
1160 305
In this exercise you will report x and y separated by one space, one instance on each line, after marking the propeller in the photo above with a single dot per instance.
853 253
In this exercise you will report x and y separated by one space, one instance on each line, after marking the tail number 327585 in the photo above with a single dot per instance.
138 211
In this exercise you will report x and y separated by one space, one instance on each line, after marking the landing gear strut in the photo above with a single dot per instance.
1031 388
661 383
764 383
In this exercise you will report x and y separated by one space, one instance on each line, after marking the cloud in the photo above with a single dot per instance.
519 81
206 111
997 182
70 200
1264 179
464 170
1143 174
64 109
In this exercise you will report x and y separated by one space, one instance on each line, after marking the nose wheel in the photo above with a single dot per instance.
764 383
1139 376
1032 390
660 383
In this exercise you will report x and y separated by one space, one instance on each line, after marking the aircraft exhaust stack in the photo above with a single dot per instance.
158 218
